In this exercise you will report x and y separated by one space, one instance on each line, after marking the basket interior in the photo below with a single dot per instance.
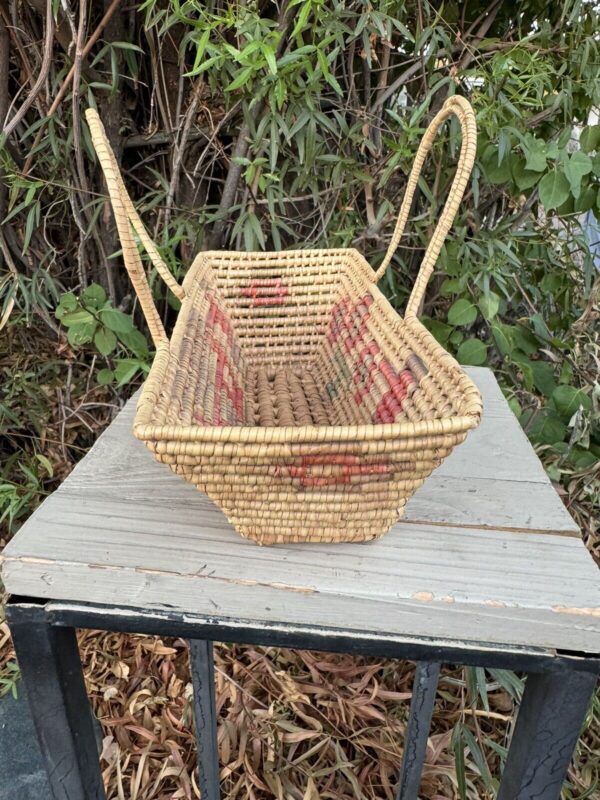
298 339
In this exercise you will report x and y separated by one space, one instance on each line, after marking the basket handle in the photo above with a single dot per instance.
462 109
127 218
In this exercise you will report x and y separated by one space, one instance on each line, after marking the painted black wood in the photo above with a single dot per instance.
164 622
205 716
548 725
417 731
55 689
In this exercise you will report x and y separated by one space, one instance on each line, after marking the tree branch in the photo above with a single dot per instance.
9 127
241 149
68 80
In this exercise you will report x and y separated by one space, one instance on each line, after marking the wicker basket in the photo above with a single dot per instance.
291 392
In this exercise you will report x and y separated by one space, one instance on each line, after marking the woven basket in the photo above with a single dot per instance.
291 392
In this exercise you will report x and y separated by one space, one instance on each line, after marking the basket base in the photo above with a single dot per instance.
314 527
266 504
323 537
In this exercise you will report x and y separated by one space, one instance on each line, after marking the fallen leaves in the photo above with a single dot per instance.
292 725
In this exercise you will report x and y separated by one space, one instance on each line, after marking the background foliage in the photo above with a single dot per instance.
294 124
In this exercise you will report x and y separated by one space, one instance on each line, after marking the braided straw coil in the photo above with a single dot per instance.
291 392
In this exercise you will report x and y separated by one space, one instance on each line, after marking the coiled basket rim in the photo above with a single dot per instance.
240 434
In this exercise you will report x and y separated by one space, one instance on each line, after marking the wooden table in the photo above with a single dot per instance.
486 568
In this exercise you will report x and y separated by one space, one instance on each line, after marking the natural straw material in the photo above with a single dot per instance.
291 392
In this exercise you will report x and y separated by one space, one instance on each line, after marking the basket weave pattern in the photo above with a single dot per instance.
291 392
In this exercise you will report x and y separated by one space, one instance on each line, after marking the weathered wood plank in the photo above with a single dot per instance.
442 500
239 604
486 502
497 449
492 480
474 566
475 557
509 455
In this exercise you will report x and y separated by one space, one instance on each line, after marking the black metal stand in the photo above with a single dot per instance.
546 731
419 722
205 716
548 725
53 681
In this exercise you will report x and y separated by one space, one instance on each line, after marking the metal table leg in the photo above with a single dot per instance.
417 732
205 715
55 690
546 730
548 725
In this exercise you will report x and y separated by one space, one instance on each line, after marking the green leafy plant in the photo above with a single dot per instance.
272 126
24 492
90 319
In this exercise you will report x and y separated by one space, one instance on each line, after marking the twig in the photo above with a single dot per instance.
524 212
4 68
471 46
81 175
64 29
370 204
9 127
180 149
211 139
81 265
590 306
67 82
241 149
162 137
161 85
366 70
10 264
13 32
405 76
385 69
350 74
231 184
71 21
